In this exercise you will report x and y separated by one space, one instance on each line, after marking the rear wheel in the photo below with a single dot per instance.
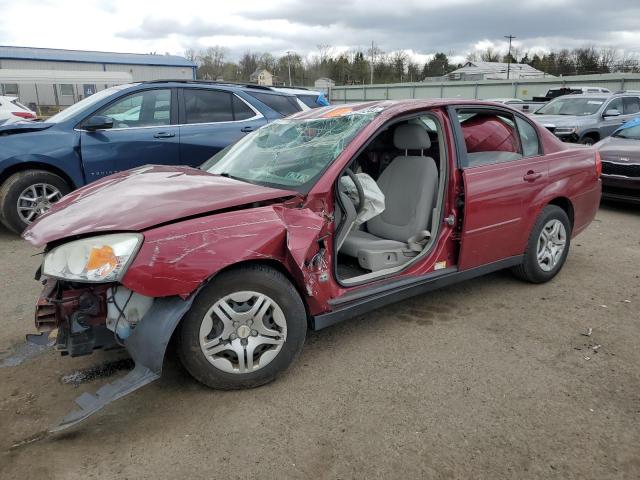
548 246
27 195
244 329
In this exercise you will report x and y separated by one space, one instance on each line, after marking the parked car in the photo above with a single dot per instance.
307 98
11 111
588 118
620 155
165 122
306 222
530 106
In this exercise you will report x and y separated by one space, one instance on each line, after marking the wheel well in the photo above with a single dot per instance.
565 204
21 167
594 135
276 266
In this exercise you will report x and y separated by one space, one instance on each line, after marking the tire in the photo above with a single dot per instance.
535 271
588 141
14 186
223 369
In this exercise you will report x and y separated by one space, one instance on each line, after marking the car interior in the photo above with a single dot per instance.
389 200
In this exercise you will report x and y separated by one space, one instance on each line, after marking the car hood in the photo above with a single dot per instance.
23 127
560 120
621 150
141 198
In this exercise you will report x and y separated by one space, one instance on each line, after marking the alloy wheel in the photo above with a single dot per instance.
36 200
551 244
242 332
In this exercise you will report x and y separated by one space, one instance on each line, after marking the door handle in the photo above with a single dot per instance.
246 129
531 176
164 135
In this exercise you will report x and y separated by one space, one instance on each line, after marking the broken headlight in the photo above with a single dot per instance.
96 259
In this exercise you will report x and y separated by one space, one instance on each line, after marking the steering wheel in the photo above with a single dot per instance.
359 189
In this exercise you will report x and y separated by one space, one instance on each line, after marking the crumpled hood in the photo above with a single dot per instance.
137 199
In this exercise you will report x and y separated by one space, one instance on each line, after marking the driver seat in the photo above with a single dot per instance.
409 184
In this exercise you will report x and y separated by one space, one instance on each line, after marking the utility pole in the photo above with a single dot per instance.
289 62
372 60
510 37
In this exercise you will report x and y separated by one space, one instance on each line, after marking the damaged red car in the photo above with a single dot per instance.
306 222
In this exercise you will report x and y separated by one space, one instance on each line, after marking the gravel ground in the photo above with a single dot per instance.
491 379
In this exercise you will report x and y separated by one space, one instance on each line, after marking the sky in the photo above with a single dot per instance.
420 28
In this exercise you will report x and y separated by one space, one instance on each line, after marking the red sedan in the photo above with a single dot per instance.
306 222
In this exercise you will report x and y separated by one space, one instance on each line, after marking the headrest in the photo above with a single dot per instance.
411 137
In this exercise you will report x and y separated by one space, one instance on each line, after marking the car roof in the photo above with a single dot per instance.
220 85
297 90
394 107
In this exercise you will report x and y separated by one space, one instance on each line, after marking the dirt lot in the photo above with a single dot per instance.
492 378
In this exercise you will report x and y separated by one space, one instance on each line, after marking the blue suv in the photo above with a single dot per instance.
160 122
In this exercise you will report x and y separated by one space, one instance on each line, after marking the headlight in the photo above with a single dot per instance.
95 259
565 130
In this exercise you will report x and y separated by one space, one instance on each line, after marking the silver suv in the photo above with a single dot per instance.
587 118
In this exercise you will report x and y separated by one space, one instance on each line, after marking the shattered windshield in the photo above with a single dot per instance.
290 153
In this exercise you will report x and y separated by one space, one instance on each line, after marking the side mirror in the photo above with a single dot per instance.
98 122
612 113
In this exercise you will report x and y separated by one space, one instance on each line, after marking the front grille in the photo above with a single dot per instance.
631 170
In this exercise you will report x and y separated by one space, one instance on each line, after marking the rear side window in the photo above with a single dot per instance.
631 105
207 106
284 105
489 137
528 138
241 111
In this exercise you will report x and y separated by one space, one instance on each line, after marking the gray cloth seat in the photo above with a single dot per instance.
409 185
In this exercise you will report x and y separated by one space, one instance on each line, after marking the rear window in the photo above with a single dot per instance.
284 105
309 100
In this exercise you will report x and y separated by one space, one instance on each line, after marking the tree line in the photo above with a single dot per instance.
354 67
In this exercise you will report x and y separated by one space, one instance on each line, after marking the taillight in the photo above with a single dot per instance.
23 114
598 165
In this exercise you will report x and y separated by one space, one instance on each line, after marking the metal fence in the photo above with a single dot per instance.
485 89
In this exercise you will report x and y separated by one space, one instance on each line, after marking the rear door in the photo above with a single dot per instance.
143 133
210 120
503 169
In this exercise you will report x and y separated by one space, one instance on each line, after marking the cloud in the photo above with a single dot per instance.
419 26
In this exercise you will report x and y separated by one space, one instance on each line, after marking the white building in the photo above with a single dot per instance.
262 77
495 71
52 77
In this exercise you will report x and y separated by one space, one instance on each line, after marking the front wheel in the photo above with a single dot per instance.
25 196
548 246
244 329
587 141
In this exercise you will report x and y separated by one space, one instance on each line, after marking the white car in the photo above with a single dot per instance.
11 111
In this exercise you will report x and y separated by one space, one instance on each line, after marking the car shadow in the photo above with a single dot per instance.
619 206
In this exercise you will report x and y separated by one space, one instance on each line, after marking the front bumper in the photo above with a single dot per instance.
80 314
621 188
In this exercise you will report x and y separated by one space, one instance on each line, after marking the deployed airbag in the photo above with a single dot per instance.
373 197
